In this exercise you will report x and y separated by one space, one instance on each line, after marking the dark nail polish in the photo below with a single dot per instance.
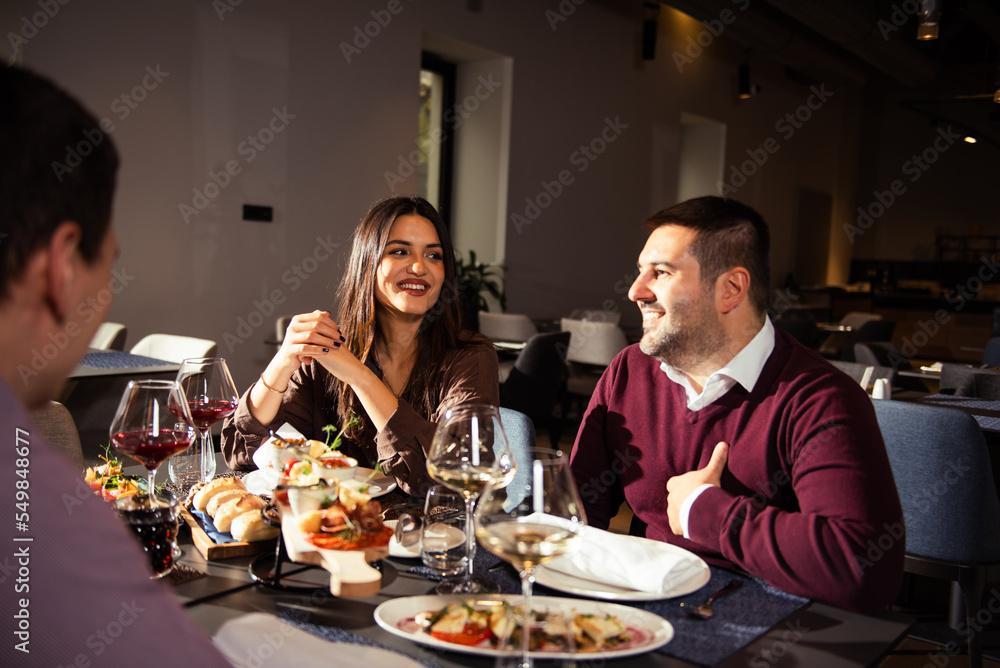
343 340
326 350
336 344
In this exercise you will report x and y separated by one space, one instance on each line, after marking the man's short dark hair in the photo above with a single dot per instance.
56 165
729 234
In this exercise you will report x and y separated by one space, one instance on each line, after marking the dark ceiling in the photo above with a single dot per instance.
866 42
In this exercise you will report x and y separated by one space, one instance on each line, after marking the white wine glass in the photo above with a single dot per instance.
530 521
469 451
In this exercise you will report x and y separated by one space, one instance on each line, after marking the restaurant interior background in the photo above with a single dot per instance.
566 140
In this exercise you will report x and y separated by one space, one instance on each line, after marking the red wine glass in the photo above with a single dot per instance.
147 429
211 396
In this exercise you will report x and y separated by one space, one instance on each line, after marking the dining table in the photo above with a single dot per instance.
756 625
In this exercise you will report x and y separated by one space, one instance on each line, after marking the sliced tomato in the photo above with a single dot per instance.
470 635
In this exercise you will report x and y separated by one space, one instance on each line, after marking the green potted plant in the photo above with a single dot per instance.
475 281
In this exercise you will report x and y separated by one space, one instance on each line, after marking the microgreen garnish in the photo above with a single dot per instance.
330 429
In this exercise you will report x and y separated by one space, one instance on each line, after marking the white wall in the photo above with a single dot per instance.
355 121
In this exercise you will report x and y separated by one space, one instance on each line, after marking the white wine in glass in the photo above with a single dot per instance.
531 520
470 451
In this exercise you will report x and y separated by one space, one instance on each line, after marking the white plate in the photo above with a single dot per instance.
240 640
649 631
263 482
403 552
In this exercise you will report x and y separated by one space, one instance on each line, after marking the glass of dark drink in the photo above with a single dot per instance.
146 428
154 518
211 396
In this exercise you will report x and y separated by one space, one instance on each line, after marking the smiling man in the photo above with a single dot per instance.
730 439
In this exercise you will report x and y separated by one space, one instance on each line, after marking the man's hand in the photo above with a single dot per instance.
680 486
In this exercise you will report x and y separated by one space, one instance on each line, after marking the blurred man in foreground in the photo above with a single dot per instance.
730 439
76 587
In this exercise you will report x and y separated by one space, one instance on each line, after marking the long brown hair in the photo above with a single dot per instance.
440 329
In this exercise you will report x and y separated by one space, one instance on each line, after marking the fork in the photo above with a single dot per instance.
704 611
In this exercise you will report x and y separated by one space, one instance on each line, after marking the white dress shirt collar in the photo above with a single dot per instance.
744 369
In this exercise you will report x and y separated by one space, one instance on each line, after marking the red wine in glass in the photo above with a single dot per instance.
211 396
147 429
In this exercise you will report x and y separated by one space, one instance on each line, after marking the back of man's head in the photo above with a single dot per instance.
56 165
729 234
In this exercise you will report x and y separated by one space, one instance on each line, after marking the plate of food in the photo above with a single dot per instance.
263 482
562 628
225 519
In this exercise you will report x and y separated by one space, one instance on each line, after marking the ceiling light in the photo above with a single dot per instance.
996 96
746 89
929 16
969 139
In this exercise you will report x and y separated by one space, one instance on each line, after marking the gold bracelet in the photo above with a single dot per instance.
271 388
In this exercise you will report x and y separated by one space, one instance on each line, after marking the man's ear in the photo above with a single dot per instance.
732 288
62 260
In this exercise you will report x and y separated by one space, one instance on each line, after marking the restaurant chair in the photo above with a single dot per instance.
835 341
506 326
856 370
520 434
57 425
109 336
960 379
173 348
991 356
537 380
596 315
280 327
941 465
873 330
592 346
883 353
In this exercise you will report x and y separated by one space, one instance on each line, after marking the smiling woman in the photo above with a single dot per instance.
396 355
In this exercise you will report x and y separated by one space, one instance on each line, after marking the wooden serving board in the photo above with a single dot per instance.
213 551
351 576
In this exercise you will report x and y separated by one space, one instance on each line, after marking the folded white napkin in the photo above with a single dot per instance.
260 640
628 562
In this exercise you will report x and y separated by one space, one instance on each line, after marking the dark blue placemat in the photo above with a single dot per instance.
741 617
213 532
114 359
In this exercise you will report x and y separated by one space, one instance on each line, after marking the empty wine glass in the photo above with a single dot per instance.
530 521
152 424
469 450
211 396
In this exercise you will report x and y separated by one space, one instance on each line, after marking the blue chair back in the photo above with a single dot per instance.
521 437
945 481
991 356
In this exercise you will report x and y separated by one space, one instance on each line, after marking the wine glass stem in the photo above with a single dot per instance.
207 463
151 490
470 538
527 581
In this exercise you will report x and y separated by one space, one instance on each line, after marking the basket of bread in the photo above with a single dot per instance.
226 520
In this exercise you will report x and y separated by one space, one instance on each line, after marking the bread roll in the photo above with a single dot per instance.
217 486
228 512
233 494
249 527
